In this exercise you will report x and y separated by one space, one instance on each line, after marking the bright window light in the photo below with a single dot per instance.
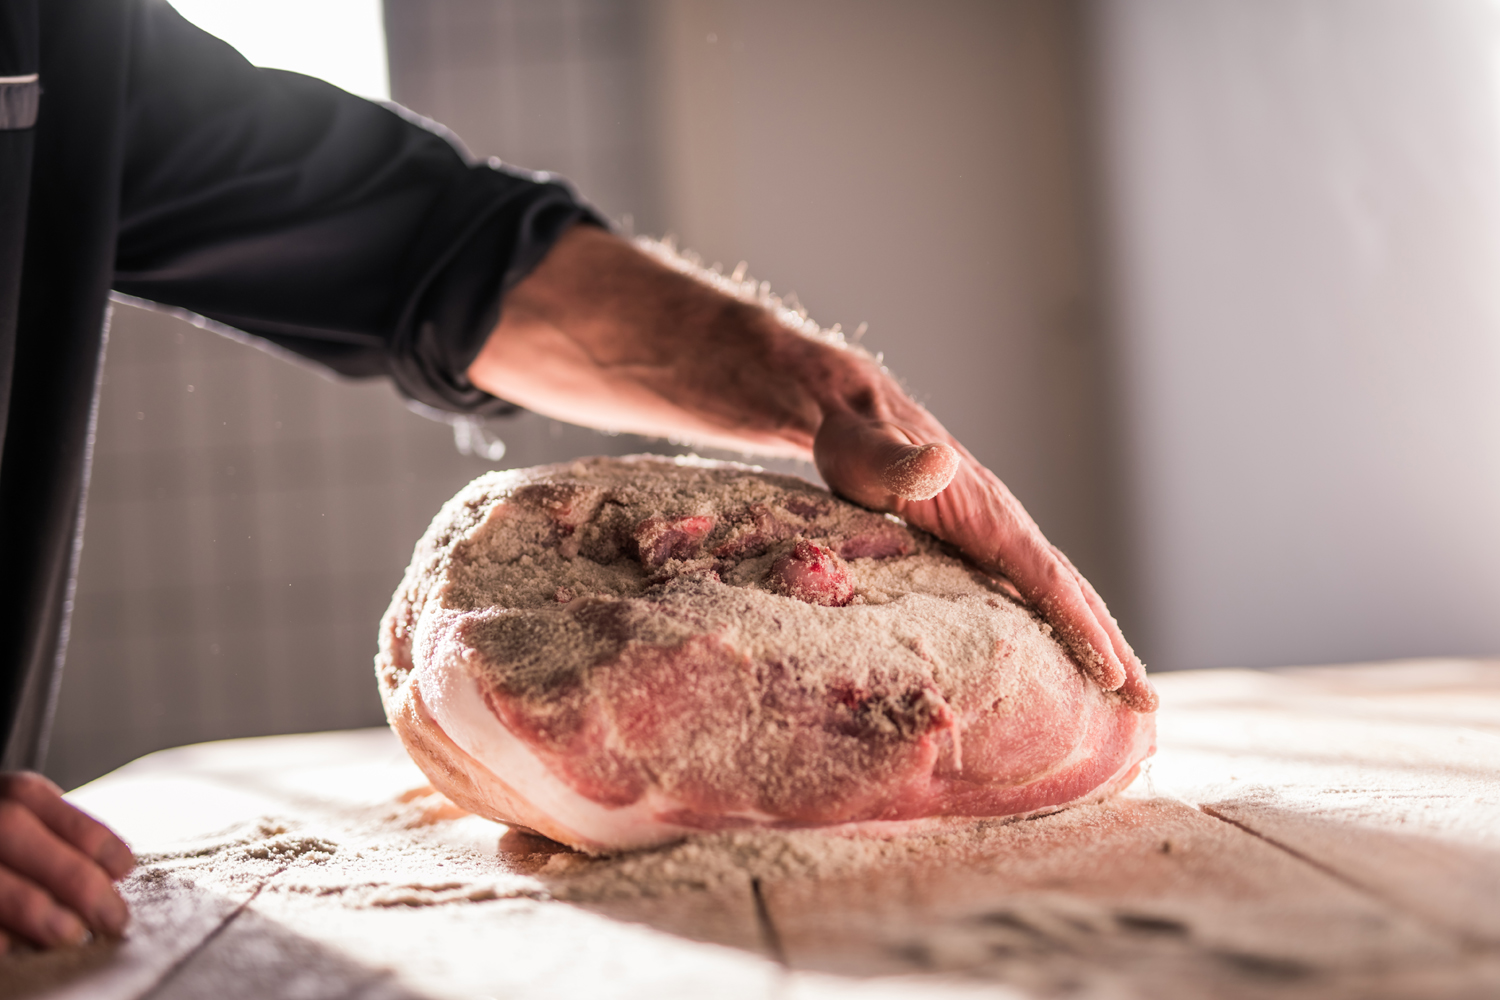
341 41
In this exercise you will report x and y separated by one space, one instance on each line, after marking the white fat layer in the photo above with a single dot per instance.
456 703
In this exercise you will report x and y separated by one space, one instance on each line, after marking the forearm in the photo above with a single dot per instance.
604 335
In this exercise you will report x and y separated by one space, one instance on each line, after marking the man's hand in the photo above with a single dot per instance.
57 866
603 335
877 461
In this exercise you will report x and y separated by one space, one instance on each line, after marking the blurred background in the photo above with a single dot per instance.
1214 285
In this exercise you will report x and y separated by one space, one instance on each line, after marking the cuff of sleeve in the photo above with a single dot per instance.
461 300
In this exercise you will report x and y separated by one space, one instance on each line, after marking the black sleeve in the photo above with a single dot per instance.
335 227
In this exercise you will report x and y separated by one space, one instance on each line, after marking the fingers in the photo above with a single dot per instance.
880 465
27 910
31 851
78 828
56 866
1136 690
872 461
1076 612
1056 589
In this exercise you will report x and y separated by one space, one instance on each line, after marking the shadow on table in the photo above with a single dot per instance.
249 957
1234 900
255 958
27 973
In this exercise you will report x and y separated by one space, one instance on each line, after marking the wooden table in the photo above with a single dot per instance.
1303 833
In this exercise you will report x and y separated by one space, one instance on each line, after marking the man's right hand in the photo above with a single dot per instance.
57 867
604 335
875 460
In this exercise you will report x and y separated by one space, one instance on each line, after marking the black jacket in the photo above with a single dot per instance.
140 154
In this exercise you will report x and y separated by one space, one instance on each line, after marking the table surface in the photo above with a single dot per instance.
1320 832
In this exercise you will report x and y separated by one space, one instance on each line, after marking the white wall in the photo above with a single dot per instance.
341 41
914 166
1306 242
917 167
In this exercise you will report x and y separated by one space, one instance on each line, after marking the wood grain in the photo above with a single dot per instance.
1145 896
170 920
1387 777
1312 833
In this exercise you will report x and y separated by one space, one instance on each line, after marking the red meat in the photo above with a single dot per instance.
621 652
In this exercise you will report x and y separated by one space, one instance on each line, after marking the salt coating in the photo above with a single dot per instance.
921 473
620 652
406 854
457 704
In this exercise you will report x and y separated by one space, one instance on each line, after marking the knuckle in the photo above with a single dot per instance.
31 906
12 814
30 785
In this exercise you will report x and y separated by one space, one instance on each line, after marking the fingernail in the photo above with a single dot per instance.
922 472
112 914
66 928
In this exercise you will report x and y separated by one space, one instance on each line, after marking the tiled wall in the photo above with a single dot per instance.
558 85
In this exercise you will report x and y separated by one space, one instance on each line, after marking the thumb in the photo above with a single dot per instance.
873 462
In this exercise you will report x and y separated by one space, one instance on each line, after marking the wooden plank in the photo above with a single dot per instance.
1349 848
177 904
1460 693
174 796
1388 777
285 946
372 884
255 957
1137 897
170 920
800 985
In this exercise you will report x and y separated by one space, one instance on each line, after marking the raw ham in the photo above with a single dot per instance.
618 653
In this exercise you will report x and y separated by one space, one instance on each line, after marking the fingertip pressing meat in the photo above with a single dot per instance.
619 653
922 472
